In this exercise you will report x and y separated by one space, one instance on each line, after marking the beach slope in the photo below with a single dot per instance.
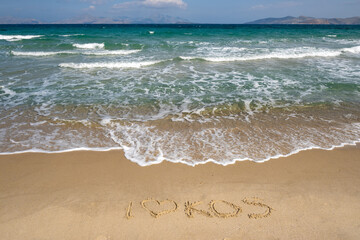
314 194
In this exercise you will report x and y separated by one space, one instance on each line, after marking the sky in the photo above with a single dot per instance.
199 11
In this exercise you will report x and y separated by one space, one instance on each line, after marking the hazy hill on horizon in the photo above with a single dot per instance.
12 20
308 20
166 19
89 19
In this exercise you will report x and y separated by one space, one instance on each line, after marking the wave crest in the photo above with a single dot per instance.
95 53
110 65
293 53
13 38
89 45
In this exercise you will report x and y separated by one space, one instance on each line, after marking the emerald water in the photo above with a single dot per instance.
181 93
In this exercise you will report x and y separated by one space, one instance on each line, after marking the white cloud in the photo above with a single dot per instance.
95 2
152 4
285 4
90 8
258 7
160 3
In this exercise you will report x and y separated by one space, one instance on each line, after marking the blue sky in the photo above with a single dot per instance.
202 11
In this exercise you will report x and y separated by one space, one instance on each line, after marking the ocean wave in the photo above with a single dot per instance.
12 38
111 52
263 57
96 53
223 143
341 41
70 35
111 65
38 54
159 160
89 45
7 91
146 145
354 50
282 54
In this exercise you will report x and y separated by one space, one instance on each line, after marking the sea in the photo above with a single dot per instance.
188 94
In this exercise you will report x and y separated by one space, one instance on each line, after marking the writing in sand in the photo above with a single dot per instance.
215 208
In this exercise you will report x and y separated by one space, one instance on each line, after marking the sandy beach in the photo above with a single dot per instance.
101 195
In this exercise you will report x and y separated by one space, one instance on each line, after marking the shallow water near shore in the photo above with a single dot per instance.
181 93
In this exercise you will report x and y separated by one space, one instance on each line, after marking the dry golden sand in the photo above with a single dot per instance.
101 195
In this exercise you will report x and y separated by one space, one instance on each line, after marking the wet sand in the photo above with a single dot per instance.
80 195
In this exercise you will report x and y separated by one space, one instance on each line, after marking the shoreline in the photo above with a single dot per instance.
232 162
313 194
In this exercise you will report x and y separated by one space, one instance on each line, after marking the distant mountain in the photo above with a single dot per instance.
88 19
12 20
308 20
162 19
157 19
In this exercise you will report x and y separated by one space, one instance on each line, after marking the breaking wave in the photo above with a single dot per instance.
111 65
293 53
89 45
95 53
12 38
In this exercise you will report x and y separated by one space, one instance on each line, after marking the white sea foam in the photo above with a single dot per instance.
161 159
111 52
342 41
38 123
96 53
146 146
110 65
293 53
8 91
188 58
12 38
89 45
70 35
143 145
39 54
275 55
355 49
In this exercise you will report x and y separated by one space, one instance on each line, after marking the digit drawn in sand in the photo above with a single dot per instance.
128 211
190 209
158 214
256 202
237 209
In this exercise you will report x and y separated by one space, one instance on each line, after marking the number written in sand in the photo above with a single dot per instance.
215 208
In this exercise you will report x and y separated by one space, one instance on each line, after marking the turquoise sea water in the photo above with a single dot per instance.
182 93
